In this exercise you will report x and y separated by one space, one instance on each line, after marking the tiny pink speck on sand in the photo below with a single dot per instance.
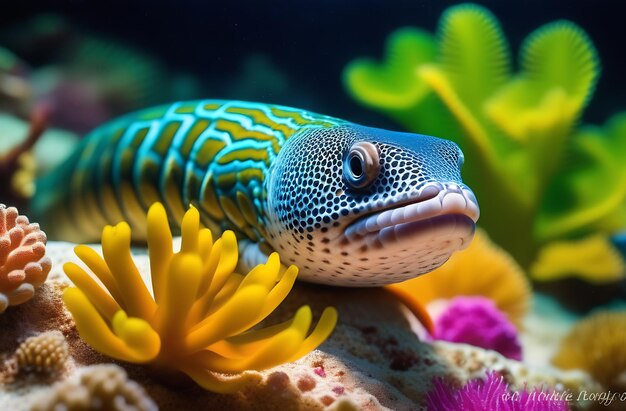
320 371
338 390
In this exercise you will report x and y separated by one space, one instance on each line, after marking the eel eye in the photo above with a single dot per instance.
361 165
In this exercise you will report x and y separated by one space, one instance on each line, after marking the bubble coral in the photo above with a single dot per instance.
477 321
597 345
482 269
101 387
44 353
23 264
492 394
200 317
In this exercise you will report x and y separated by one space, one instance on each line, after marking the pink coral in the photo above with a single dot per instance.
23 264
477 321
493 394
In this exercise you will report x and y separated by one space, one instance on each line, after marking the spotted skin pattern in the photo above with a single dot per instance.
272 174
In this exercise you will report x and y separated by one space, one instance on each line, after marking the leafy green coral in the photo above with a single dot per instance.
558 73
587 201
395 88
513 127
589 193
394 85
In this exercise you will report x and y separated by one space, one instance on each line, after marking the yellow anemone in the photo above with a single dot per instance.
482 269
199 315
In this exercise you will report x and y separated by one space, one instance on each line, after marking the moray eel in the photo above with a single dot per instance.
349 205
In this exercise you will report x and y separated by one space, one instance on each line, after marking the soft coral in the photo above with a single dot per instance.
492 394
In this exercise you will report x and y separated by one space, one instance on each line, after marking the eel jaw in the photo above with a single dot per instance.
428 230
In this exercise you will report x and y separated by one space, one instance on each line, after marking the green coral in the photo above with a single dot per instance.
513 126
589 193
394 86
473 53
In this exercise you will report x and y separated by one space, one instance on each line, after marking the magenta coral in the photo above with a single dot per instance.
492 394
23 264
477 321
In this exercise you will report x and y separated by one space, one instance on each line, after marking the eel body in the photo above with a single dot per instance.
349 205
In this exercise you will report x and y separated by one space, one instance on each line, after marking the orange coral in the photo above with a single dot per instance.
23 264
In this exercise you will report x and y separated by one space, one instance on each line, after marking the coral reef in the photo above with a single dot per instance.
372 361
596 345
23 264
482 269
477 321
45 353
188 330
513 127
199 318
100 387
491 394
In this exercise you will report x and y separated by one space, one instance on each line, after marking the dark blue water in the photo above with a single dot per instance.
309 42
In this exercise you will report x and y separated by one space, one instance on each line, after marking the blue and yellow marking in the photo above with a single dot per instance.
212 154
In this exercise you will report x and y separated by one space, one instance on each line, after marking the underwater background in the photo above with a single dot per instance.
533 92
309 44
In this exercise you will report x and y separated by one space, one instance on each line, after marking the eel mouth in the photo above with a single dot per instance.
439 210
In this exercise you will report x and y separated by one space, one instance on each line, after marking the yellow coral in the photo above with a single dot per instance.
43 353
481 269
596 345
199 315
23 264
592 258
